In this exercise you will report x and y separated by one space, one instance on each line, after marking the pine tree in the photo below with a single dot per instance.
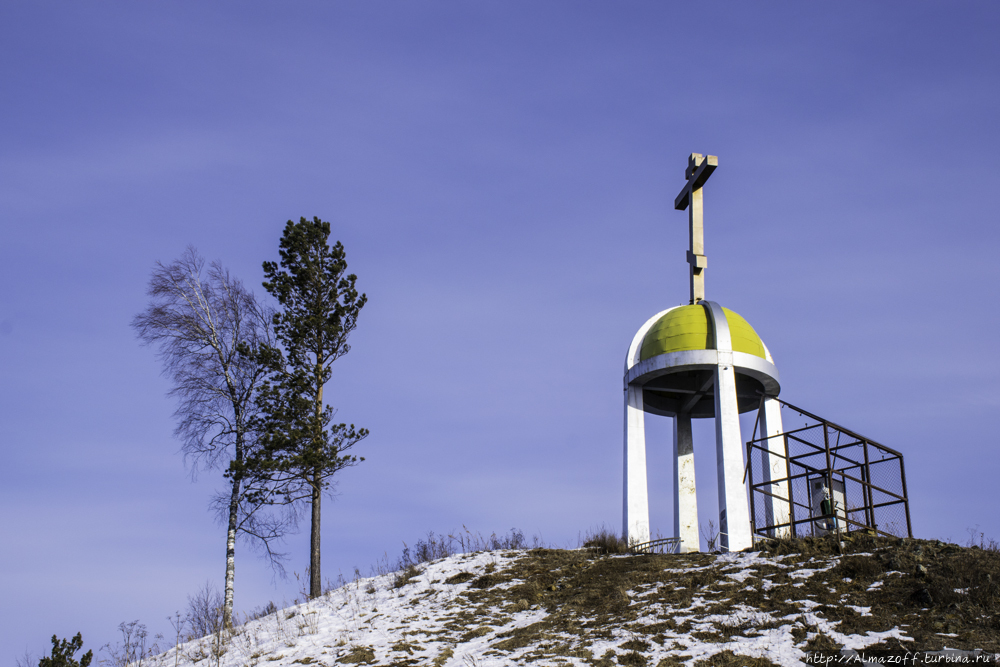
62 653
319 307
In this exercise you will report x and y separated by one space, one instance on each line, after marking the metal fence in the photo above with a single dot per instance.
821 478
667 545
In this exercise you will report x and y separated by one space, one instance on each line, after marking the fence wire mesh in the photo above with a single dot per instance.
818 478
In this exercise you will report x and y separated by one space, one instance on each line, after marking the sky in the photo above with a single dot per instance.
502 176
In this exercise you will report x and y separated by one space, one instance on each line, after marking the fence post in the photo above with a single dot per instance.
791 497
906 497
867 490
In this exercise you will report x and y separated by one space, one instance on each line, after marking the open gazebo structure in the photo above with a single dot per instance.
704 361
699 361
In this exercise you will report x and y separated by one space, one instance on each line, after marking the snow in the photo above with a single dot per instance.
741 576
434 623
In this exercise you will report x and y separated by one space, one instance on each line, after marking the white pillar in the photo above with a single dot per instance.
685 500
778 508
635 520
734 513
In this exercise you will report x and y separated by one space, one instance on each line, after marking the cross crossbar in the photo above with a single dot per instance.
699 168
700 174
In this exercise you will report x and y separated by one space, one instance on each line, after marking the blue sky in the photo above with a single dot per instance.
502 176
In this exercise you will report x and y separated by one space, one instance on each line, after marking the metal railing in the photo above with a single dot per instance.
667 545
822 478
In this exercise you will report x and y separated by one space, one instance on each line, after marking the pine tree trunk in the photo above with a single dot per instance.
227 607
315 578
315 587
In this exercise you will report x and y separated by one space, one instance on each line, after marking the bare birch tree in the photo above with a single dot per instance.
208 328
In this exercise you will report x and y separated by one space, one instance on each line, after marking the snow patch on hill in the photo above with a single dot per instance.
464 610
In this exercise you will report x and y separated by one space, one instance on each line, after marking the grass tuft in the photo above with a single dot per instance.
606 542
405 575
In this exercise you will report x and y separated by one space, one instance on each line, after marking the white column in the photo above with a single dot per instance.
685 500
777 508
635 520
734 513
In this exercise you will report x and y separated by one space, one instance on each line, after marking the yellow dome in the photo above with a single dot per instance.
688 328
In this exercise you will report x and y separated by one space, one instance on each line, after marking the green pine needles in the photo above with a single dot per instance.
62 653
319 307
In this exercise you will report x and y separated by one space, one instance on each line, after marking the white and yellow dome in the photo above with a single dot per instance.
674 354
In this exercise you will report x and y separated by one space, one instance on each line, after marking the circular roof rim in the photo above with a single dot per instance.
675 362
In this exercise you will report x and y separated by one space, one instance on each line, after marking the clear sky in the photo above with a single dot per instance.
502 175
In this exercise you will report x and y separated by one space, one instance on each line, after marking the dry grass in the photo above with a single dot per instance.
586 593
646 604
603 541
730 659
405 575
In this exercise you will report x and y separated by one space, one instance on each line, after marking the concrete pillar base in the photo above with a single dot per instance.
635 520
685 498
777 509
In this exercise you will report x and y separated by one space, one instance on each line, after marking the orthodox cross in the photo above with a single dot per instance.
699 169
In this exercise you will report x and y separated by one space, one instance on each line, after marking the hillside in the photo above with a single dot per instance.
579 607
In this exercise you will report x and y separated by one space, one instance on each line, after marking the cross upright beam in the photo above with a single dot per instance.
699 168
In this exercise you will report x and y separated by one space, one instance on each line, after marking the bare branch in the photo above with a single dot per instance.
208 329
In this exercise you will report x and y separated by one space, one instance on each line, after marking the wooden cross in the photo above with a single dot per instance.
699 169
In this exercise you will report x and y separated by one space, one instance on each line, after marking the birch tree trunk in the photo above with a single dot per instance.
227 605
210 329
